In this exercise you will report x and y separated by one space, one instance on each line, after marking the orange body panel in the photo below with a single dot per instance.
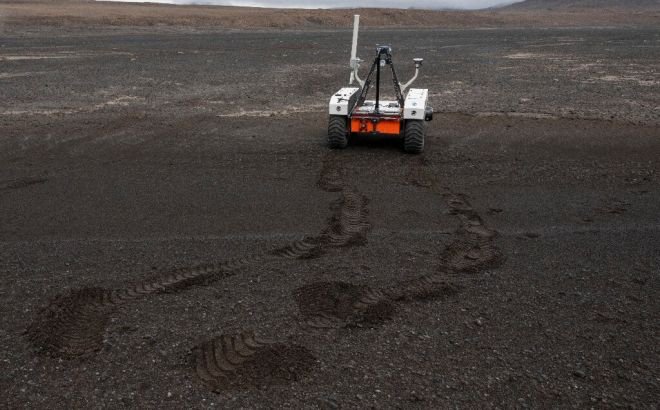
366 125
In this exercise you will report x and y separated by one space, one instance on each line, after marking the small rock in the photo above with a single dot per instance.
416 397
328 403
579 373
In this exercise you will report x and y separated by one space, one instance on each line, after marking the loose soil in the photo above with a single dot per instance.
174 231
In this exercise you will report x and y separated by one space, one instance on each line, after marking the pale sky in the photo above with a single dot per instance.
421 4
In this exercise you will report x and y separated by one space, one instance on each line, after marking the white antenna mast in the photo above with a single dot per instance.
355 61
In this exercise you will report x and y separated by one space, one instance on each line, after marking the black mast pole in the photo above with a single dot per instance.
377 83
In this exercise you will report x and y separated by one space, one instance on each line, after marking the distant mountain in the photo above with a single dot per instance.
568 4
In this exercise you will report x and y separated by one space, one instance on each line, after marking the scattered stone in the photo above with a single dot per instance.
328 403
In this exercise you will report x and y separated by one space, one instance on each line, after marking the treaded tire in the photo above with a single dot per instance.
413 139
337 132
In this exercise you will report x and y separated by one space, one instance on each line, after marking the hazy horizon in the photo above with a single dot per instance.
418 4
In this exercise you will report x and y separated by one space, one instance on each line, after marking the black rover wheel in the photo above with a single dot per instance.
413 139
337 132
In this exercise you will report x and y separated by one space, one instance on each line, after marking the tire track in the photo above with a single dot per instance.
348 225
341 304
241 361
336 304
425 287
473 248
23 182
74 324
331 176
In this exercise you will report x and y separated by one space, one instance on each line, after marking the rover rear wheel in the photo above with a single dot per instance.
337 131
413 138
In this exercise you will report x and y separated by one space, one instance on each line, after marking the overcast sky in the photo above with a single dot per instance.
422 4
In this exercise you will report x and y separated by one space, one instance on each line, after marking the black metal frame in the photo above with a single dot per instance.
383 53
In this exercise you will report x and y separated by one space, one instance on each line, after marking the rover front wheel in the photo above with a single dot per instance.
337 132
413 138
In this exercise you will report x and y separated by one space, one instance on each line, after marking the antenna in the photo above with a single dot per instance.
355 61
418 63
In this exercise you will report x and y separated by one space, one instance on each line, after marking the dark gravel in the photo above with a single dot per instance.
125 154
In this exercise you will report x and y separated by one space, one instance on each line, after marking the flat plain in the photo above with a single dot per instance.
174 231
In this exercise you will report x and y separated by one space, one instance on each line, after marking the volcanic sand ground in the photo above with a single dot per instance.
514 263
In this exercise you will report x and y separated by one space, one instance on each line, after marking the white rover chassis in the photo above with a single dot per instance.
351 113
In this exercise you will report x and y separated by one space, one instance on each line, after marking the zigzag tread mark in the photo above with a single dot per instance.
72 324
239 361
341 304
